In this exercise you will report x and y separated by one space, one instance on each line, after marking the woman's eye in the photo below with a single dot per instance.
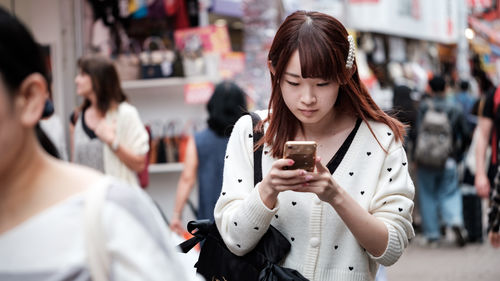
323 84
292 83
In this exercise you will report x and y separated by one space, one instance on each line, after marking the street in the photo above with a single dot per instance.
474 262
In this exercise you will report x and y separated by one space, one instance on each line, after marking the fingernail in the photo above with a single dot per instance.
290 162
302 172
308 177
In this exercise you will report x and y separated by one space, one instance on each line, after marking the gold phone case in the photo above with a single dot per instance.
303 153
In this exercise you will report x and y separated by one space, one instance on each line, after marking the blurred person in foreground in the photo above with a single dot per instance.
44 231
204 160
106 131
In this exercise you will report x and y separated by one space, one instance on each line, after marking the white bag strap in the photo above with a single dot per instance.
95 239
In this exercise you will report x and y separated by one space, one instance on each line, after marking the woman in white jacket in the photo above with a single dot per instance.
354 211
106 131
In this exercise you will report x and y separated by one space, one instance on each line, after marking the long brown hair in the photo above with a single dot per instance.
323 49
105 81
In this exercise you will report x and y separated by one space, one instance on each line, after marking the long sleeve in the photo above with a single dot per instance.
393 203
240 215
131 133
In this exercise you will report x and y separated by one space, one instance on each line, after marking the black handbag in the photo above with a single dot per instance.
216 262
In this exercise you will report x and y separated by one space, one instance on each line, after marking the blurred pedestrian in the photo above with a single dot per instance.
205 151
106 131
488 129
441 123
465 99
46 232
354 211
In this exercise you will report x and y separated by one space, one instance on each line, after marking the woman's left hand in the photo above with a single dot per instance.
106 132
321 183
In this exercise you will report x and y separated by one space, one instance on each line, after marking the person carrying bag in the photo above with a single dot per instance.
217 262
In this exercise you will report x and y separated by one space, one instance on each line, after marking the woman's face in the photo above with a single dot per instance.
83 85
309 99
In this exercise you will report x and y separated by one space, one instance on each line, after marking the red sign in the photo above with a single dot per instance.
198 93
231 64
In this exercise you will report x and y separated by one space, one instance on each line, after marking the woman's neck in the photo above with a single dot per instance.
20 182
325 127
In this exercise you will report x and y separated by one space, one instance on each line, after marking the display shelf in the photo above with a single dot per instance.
165 82
166 168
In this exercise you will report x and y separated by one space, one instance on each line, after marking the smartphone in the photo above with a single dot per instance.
303 153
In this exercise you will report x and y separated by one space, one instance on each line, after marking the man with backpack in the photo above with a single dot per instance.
442 131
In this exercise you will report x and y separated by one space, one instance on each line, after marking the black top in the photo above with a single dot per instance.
72 118
488 111
339 155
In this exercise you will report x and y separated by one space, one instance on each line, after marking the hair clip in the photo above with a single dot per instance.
350 56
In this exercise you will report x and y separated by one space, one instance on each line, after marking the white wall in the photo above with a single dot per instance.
5 4
52 23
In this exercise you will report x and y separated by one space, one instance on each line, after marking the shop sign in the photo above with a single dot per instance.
198 93
420 19
213 38
231 63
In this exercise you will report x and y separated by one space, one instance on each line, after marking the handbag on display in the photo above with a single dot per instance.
171 143
128 64
156 63
217 262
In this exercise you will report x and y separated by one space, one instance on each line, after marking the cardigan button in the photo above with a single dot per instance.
314 242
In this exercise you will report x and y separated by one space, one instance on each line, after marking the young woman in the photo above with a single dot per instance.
107 132
354 211
205 153
42 199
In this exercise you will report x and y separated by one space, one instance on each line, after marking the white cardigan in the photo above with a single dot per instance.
132 134
323 248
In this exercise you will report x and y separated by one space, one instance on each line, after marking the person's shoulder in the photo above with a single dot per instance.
78 174
262 113
382 134
379 127
130 197
125 107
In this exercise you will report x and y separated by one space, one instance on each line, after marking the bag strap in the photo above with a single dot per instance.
202 227
257 154
95 239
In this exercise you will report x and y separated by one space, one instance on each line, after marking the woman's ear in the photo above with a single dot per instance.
30 101
271 67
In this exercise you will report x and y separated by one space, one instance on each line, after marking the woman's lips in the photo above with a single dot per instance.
307 112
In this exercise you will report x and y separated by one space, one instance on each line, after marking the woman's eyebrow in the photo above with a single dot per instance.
293 74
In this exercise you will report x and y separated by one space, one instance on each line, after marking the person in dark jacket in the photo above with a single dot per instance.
204 161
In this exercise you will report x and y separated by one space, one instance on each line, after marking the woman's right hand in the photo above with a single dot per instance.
482 184
278 179
176 226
